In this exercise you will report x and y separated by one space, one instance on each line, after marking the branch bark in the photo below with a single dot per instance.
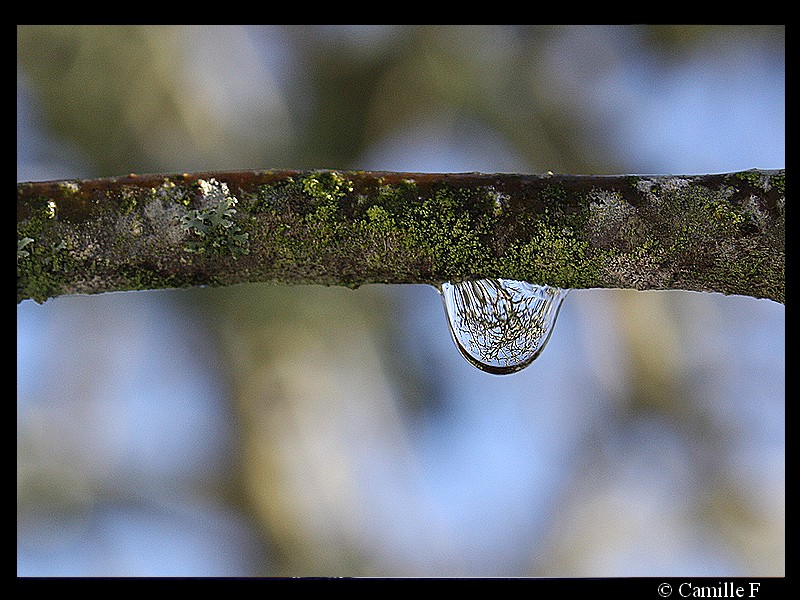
716 233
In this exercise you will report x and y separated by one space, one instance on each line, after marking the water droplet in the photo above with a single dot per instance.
501 325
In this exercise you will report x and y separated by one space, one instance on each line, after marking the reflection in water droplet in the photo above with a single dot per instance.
501 325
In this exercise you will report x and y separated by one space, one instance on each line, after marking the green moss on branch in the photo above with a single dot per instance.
719 233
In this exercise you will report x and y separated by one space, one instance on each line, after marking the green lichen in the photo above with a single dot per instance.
752 177
761 180
42 264
129 203
379 230
397 197
449 228
380 218
395 231
778 181
174 193
213 227
42 260
723 215
559 261
552 253
633 181
553 194
328 186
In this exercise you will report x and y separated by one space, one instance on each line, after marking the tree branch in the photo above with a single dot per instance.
716 233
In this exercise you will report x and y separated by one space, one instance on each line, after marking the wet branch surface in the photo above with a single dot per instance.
716 233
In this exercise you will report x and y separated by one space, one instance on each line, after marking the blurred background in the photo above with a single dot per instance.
264 430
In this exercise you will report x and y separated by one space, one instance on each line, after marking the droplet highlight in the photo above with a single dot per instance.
501 325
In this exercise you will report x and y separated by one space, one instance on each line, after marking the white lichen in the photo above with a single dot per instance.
672 184
609 207
645 185
500 199
214 192
163 219
21 243
752 206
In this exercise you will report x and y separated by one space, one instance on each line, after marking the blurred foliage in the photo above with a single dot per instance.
130 97
171 99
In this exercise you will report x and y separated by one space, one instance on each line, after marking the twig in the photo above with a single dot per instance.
716 233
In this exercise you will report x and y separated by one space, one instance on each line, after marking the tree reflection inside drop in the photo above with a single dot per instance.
501 325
